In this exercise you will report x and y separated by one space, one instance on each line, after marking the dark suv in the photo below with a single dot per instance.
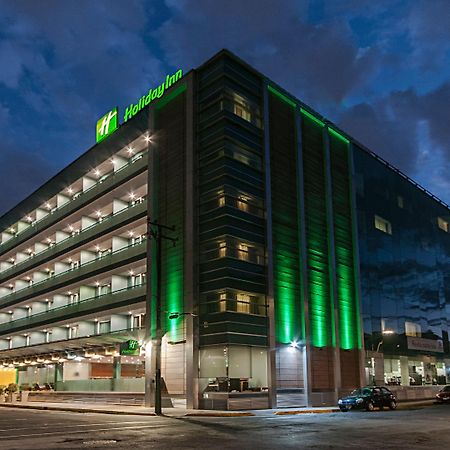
443 396
368 398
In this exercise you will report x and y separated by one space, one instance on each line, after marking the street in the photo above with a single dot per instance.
416 428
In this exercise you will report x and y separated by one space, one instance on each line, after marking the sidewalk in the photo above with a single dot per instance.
183 412
170 412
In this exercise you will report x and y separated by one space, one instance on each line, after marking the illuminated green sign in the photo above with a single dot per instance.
130 347
157 92
107 125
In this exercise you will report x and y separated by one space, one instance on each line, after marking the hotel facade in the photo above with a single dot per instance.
295 264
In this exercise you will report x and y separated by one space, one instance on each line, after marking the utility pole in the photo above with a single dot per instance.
155 231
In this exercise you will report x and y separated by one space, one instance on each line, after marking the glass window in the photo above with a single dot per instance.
383 225
400 201
443 225
413 329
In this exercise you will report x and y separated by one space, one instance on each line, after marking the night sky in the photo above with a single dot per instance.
378 69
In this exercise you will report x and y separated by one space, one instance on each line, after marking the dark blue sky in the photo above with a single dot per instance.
379 69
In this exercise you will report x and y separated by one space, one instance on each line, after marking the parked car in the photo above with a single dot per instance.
443 396
368 398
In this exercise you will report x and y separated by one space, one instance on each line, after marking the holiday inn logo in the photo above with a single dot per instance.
110 122
107 125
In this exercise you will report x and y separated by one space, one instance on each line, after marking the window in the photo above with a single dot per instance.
104 327
243 303
222 200
222 249
413 329
443 225
383 225
222 301
400 201
243 251
242 203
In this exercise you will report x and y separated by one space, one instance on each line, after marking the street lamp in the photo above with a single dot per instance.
383 333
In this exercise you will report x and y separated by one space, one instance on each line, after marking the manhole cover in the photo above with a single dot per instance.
99 442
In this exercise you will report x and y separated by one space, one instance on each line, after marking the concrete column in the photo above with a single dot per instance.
87 256
61 236
61 267
116 367
118 205
87 183
119 322
59 374
119 243
118 282
119 162
60 300
87 292
61 200
87 221
404 370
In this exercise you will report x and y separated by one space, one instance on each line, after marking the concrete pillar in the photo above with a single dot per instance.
116 367
61 200
119 322
118 205
87 256
61 267
41 213
87 221
60 300
61 236
118 282
404 370
87 292
59 374
119 162
87 183
119 243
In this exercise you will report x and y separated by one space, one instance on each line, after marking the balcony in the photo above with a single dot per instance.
107 225
122 257
106 184
107 302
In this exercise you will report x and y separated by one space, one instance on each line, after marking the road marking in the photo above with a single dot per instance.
81 431
73 426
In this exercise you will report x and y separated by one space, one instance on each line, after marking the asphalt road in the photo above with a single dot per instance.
420 428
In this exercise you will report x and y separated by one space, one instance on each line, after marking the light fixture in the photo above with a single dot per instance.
70 190
130 150
147 138
29 218
132 195
97 172
387 332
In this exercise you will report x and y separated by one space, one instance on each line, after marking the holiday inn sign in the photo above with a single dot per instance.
110 122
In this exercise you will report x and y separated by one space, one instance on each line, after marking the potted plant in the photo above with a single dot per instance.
2 393
12 392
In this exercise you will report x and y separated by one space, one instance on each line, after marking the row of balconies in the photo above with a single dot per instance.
90 230
64 204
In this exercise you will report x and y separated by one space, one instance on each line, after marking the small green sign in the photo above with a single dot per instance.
107 125
130 347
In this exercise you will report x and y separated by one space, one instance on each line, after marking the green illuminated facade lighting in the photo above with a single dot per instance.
313 118
281 96
338 135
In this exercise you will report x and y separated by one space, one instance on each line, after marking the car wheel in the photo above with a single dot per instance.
369 406
343 408
392 404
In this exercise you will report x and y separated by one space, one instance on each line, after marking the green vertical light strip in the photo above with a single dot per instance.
318 271
286 267
343 241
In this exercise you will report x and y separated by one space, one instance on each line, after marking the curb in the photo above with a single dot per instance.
224 414
78 410
308 411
